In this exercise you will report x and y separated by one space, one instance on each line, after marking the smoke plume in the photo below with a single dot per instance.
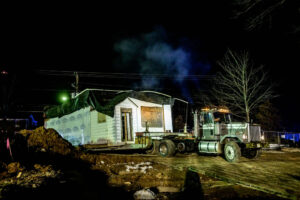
155 56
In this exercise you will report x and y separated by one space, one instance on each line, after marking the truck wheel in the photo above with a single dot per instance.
167 148
253 153
232 152
181 147
154 147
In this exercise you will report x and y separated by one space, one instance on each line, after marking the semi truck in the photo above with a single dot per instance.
214 133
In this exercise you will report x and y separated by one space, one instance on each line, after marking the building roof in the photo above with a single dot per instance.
104 101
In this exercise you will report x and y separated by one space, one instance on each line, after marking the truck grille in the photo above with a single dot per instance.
255 133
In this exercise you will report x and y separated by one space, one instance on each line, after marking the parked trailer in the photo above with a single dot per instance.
214 133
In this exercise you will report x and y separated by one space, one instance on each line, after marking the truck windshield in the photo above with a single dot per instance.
222 117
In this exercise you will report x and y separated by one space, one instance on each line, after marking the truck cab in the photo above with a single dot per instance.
217 133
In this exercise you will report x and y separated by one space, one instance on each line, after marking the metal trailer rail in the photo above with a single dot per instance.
134 147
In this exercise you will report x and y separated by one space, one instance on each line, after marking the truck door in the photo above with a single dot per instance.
208 126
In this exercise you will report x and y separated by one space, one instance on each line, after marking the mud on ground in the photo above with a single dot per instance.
171 182
45 166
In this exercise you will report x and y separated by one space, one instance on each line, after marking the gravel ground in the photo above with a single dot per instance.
45 166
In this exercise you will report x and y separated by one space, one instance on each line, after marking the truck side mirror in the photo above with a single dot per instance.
201 120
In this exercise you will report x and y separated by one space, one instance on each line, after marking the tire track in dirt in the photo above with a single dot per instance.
267 174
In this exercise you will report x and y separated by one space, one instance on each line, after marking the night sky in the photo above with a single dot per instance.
121 39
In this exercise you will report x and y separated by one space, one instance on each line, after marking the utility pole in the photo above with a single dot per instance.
76 83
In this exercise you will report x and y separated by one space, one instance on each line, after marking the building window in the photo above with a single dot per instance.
153 116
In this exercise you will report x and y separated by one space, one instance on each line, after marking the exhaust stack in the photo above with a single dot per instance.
196 124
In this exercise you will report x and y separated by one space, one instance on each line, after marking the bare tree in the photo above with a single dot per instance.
255 13
240 86
268 116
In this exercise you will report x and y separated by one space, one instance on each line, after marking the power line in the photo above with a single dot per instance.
125 75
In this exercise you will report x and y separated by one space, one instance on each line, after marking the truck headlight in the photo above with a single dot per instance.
245 137
262 137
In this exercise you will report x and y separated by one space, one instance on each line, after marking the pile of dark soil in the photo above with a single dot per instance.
47 140
46 166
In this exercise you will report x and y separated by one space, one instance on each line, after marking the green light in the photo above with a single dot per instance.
64 98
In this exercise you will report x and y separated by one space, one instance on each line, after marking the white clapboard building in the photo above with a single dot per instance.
93 118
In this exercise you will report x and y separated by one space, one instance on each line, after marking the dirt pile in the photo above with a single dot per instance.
18 180
14 167
19 175
47 140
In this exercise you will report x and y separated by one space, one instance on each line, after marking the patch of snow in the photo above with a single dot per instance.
143 166
144 194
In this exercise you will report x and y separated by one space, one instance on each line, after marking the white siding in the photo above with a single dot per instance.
82 127
102 133
74 127
125 104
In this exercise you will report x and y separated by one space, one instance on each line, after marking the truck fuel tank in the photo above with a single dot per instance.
209 147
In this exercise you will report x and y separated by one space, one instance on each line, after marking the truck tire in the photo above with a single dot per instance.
253 153
232 152
154 147
167 148
181 147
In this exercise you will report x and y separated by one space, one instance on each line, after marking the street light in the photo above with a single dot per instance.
63 97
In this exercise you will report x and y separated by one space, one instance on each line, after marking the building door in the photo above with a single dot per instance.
126 115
